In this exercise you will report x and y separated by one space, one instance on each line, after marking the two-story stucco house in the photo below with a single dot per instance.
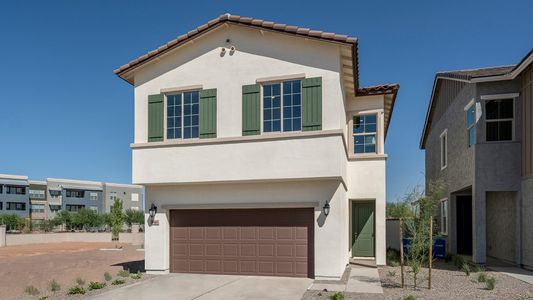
259 150
478 139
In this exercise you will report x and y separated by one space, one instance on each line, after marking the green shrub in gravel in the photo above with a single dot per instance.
482 277
391 273
409 297
466 268
44 298
457 261
77 290
80 281
107 276
137 275
491 283
124 273
53 286
118 281
96 285
337 296
31 290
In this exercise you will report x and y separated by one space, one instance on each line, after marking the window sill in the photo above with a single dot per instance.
239 139
373 156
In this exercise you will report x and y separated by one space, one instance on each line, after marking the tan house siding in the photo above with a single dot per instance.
527 122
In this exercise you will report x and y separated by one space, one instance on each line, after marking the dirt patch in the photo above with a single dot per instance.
37 265
450 283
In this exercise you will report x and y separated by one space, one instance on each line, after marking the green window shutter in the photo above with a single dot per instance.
251 109
155 117
208 113
312 104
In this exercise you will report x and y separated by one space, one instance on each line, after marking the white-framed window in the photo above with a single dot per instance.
282 106
183 115
134 197
365 133
112 196
37 208
134 208
470 122
499 120
94 208
93 196
444 216
444 149
37 194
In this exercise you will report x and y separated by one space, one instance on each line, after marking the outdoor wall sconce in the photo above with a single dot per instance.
152 211
326 208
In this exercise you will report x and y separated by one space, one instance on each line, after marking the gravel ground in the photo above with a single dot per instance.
447 283
37 265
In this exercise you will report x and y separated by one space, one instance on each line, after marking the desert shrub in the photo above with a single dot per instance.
96 285
393 257
53 286
77 290
491 283
482 277
118 281
337 296
466 269
31 290
137 275
132 216
12 221
391 273
107 276
457 261
80 281
409 297
123 273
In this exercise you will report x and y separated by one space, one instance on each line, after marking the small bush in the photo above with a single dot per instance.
77 290
96 285
80 281
337 296
53 286
491 283
124 273
31 290
107 276
137 275
409 297
393 257
391 273
457 261
482 277
118 281
44 298
466 268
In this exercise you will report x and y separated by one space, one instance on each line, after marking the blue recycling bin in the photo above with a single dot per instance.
439 247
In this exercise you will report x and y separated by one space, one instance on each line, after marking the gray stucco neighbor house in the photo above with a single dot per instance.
478 138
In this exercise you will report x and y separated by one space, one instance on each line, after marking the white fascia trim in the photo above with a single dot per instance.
499 96
181 89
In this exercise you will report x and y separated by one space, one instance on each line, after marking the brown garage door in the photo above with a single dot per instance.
273 242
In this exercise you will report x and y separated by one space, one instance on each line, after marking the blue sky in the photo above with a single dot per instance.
65 114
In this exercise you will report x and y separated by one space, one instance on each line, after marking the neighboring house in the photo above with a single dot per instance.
478 138
131 196
37 195
14 198
260 151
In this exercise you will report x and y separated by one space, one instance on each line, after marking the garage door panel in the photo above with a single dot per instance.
272 242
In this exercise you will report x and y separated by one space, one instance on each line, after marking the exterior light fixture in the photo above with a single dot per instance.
326 208
152 211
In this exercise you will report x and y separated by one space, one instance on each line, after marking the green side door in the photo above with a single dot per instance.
362 229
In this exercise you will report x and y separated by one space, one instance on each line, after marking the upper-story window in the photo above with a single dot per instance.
55 193
1 189
365 133
37 194
282 106
93 196
444 149
183 118
444 216
75 194
470 121
16 206
499 120
15 190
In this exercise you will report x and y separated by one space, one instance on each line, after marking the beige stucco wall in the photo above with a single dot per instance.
88 237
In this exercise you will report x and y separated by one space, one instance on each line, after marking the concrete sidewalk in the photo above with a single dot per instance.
515 272
362 279
206 287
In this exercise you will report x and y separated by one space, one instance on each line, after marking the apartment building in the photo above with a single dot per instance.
14 195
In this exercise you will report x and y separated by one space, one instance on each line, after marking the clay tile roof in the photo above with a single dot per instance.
390 88
257 23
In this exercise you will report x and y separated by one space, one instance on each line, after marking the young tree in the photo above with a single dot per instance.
117 219
418 227
63 217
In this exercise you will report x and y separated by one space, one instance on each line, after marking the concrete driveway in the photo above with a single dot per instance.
204 287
